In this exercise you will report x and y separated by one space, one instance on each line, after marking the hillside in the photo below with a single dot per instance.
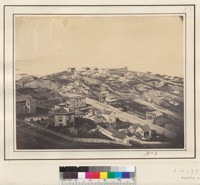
40 83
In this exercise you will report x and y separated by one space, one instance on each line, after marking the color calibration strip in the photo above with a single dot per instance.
97 175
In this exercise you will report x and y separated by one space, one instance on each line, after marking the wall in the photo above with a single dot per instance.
36 118
33 107
77 103
64 120
20 107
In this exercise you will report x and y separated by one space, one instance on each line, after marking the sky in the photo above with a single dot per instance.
49 44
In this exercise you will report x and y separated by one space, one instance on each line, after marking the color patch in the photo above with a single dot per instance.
96 175
125 175
103 175
88 175
70 175
130 168
132 175
84 169
118 175
111 175
81 175
74 175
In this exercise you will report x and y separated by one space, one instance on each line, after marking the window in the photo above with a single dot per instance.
28 110
60 119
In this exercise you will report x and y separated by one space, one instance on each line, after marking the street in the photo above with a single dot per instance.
130 118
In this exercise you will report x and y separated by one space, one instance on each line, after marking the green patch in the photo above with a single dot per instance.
111 175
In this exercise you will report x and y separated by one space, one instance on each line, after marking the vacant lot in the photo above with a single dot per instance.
31 139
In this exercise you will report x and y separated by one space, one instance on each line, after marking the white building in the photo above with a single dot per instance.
71 69
110 116
77 102
62 117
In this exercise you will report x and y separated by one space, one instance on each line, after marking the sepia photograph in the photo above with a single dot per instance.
99 81
96 92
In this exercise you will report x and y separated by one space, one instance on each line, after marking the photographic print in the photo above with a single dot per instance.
99 81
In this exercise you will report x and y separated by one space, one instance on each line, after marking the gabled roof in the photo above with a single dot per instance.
117 134
135 126
61 110
120 135
146 128
99 119
112 130
124 126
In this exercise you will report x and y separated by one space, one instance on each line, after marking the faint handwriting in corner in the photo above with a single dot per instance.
188 174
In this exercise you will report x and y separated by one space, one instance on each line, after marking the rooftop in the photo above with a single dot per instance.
146 128
93 109
22 98
104 92
61 110
157 113
107 112
120 135
78 97
98 119
135 126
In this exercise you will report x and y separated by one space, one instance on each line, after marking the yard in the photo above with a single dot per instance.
31 139
132 106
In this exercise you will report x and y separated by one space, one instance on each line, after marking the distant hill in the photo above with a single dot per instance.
43 84
26 78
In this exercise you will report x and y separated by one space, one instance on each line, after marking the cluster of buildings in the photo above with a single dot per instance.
141 131
173 78
87 71
103 116
106 97
122 134
62 114
97 72
156 83
127 133
65 114
155 117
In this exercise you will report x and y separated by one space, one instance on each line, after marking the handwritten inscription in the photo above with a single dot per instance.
151 153
188 174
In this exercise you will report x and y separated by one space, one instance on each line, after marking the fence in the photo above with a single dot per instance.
81 140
